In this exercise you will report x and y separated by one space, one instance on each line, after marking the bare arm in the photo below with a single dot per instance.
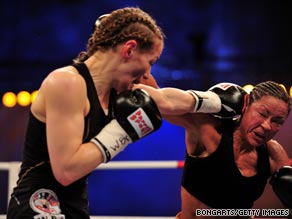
170 101
65 106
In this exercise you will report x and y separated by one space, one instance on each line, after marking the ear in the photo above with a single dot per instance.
128 48
246 102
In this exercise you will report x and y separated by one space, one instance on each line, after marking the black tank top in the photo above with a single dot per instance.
36 172
216 181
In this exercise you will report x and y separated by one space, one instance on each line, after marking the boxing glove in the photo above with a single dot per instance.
232 100
224 100
136 116
281 182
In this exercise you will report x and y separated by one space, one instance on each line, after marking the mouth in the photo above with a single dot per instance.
259 137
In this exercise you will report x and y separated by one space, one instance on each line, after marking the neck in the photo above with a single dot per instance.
101 76
240 144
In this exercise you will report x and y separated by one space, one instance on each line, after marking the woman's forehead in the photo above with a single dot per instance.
271 103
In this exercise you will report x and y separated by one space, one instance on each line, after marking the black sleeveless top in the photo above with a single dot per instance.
36 172
216 181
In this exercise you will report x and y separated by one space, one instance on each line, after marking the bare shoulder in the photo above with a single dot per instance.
64 83
190 120
278 155
275 148
63 78
179 120
64 87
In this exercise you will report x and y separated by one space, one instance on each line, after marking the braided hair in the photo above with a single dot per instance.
270 88
122 25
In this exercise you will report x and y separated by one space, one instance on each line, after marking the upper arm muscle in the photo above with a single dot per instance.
65 101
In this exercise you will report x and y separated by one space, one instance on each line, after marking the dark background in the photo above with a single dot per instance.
208 41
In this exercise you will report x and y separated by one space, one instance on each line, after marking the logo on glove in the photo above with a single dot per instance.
140 122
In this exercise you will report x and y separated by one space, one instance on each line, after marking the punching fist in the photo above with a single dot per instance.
137 113
232 100
136 116
281 182
223 100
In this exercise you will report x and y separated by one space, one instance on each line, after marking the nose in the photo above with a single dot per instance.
267 124
146 75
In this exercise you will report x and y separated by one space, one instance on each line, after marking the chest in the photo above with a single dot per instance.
246 163
207 141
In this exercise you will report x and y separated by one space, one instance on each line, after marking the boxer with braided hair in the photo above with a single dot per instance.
85 114
120 26
230 151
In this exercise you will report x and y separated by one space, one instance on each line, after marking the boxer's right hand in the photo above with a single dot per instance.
136 116
281 182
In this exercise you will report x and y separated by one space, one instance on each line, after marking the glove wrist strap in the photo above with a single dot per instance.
206 102
111 140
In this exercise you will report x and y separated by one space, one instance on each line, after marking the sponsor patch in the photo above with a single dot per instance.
46 203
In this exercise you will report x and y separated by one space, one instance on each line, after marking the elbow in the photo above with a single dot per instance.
64 178
64 182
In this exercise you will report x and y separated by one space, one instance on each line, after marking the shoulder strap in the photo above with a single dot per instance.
263 160
96 119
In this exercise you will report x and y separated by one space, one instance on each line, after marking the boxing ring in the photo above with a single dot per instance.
13 169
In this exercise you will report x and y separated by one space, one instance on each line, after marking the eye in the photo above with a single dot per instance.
263 114
278 121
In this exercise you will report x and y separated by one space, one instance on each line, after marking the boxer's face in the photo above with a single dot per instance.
137 65
263 119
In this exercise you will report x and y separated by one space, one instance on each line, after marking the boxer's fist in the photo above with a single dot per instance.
281 182
136 115
232 100
223 100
